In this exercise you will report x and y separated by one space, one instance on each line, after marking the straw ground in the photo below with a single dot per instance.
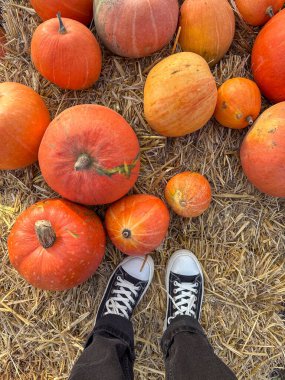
240 240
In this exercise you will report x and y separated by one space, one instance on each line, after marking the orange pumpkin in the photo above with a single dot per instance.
66 53
263 152
137 224
2 42
79 10
207 28
188 194
258 12
136 28
239 103
24 118
180 95
94 157
56 245
268 58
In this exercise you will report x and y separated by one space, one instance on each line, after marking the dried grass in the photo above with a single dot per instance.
240 240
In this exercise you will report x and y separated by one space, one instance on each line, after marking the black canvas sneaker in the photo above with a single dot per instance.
126 287
184 285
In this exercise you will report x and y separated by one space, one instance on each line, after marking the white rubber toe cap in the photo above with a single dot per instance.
185 263
133 266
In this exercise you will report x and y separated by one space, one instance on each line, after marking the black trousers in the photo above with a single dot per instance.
109 352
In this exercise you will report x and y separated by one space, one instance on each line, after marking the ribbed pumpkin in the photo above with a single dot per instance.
239 103
90 155
268 58
180 95
2 42
66 53
79 10
188 194
263 152
56 245
258 12
24 118
207 28
135 28
137 224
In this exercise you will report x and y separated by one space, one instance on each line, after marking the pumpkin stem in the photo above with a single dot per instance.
126 233
250 120
83 162
45 233
270 11
62 29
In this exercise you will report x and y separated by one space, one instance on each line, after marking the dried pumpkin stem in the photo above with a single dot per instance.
270 11
83 162
62 29
249 120
126 233
45 233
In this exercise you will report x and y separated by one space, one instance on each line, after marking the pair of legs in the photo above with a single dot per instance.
109 351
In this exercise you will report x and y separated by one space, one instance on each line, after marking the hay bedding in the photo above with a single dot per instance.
240 240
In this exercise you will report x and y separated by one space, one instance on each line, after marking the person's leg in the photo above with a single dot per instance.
187 352
109 351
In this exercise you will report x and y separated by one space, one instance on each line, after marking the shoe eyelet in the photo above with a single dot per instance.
175 283
118 278
174 291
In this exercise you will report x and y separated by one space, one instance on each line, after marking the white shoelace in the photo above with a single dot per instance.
185 301
121 302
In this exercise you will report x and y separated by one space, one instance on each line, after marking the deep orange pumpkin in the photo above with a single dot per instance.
90 154
79 10
24 118
263 152
268 58
135 28
66 53
207 28
258 12
2 42
239 103
180 95
137 224
56 245
188 194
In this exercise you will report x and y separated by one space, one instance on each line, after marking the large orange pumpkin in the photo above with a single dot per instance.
79 10
207 28
268 58
137 224
56 245
188 194
66 53
2 42
180 95
239 103
90 154
263 152
24 118
258 12
135 28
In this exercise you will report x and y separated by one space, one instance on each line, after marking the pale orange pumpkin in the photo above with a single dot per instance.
188 194
207 28
258 12
180 95
239 103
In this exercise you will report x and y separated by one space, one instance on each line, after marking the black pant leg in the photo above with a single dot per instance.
108 353
188 354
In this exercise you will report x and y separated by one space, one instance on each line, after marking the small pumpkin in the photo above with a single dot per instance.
56 245
180 95
2 43
188 194
71 57
258 12
207 28
137 224
79 10
90 155
136 28
268 58
263 152
239 103
24 118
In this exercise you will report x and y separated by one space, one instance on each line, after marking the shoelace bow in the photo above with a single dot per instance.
121 302
185 300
